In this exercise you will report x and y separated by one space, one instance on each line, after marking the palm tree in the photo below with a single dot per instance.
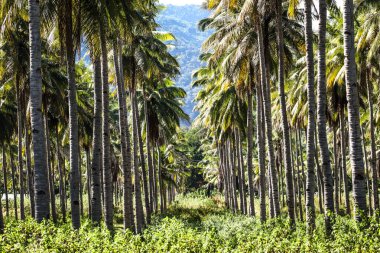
321 117
73 120
41 189
285 126
310 182
356 149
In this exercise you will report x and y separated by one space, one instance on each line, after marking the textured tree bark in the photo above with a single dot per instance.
14 183
5 180
107 172
310 149
124 139
142 161
367 178
49 166
73 120
268 124
261 152
29 170
96 168
41 188
138 200
356 150
243 173
19 146
149 156
373 160
321 118
251 191
343 153
62 191
336 173
285 126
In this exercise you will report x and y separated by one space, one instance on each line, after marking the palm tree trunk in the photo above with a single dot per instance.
1 219
373 160
107 173
285 127
321 118
51 184
155 193
336 173
160 181
310 182
96 165
251 191
19 148
367 178
356 150
150 165
142 159
138 200
261 152
240 172
73 120
298 153
344 169
29 170
125 141
5 180
39 149
268 124
243 173
88 179
62 192
14 183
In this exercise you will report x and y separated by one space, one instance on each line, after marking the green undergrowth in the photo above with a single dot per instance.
194 223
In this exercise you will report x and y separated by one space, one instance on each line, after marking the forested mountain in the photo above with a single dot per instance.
182 21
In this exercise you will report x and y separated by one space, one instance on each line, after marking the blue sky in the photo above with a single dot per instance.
182 2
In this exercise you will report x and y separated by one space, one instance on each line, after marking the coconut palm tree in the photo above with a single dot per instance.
41 189
356 149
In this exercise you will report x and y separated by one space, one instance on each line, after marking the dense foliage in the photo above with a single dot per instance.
194 223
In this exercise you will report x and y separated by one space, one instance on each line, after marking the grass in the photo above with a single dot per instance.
193 223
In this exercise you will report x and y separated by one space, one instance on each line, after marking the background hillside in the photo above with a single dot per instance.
182 22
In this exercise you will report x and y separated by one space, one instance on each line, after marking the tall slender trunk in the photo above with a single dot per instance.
240 171
125 141
285 127
14 183
356 150
321 118
1 218
142 161
29 169
243 173
48 161
233 174
96 165
155 193
19 148
160 181
73 119
310 182
5 177
268 124
107 172
373 160
41 189
150 164
367 178
343 151
88 179
261 152
299 180
251 192
138 200
62 192
336 173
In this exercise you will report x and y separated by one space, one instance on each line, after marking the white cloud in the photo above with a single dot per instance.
182 2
